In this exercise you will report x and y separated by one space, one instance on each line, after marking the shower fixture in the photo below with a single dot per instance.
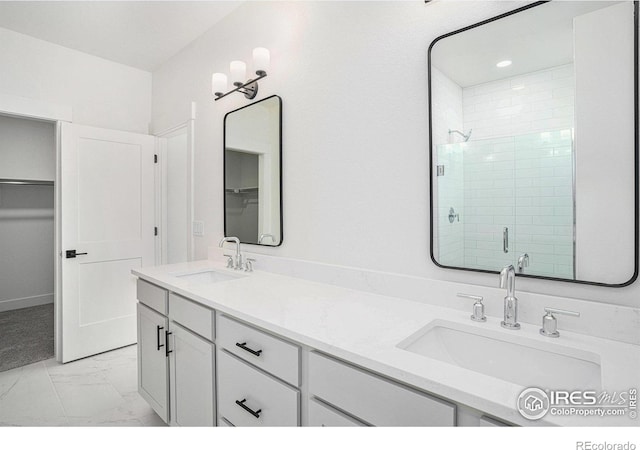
465 136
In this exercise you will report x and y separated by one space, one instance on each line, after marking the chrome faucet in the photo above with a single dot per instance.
523 261
264 236
508 280
237 261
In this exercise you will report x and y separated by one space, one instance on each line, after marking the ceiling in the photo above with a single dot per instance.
536 39
142 34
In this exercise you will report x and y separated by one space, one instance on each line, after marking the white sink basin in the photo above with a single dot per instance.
205 276
507 356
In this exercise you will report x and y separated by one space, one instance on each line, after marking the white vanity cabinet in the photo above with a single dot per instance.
258 376
323 415
372 399
192 379
199 367
176 357
153 364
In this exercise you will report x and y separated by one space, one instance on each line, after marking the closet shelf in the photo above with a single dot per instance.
243 190
23 182
18 214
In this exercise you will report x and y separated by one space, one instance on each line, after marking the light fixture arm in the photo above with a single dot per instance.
249 89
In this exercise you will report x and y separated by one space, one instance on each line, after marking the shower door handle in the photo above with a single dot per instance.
505 240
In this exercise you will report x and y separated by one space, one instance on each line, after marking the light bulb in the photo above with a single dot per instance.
238 71
218 84
261 60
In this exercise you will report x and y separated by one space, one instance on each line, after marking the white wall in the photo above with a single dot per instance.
352 77
601 211
449 190
100 92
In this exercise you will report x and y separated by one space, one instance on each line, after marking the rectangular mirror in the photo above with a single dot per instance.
533 121
253 173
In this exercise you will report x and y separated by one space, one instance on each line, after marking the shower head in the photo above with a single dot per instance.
465 136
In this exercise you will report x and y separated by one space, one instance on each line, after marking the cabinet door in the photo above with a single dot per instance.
153 364
192 379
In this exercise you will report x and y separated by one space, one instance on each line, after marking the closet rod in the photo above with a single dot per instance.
21 182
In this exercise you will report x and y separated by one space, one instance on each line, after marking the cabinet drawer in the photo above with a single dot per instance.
241 386
153 296
374 399
321 415
486 421
222 422
191 315
270 353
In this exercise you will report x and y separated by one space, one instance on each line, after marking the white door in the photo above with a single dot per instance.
106 217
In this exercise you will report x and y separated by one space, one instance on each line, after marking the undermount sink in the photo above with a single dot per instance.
205 276
516 359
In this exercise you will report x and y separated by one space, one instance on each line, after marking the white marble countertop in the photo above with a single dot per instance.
366 328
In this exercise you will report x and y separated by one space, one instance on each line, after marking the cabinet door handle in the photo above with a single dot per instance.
241 404
244 347
166 343
159 345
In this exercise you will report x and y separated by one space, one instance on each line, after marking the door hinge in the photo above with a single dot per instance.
155 159
155 231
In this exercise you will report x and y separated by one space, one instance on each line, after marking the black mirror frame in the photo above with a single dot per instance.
432 180
224 163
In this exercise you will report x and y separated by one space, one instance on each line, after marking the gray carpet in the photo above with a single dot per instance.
26 336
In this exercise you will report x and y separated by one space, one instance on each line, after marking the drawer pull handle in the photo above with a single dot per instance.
243 346
166 343
159 345
241 404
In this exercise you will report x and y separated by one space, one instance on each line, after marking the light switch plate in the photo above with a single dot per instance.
198 228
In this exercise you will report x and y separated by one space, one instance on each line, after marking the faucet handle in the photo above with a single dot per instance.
550 323
478 307
248 264
229 261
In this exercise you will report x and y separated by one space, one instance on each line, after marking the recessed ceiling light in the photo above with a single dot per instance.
504 63
518 87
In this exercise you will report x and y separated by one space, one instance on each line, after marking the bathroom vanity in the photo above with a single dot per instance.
227 348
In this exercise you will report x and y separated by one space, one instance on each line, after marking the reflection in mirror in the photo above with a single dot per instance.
534 143
252 173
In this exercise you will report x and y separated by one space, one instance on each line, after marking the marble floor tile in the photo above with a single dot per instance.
28 397
97 391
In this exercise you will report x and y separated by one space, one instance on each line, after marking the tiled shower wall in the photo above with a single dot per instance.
517 173
522 183
534 102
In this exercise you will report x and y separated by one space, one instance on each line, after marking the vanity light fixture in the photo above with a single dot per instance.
505 63
238 73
